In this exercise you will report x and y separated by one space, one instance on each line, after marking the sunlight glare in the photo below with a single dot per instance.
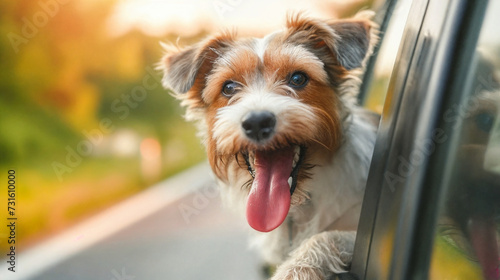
159 17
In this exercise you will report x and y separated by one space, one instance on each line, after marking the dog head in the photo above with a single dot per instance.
271 108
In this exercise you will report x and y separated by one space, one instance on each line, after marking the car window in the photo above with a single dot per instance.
376 81
414 160
466 244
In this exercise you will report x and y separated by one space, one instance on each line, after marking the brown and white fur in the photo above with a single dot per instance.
305 79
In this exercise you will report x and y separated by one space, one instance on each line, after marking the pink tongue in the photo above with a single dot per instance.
269 199
484 242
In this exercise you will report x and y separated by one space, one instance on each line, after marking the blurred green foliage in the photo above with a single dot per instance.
64 79
63 73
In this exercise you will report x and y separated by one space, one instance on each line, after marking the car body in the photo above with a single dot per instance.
432 203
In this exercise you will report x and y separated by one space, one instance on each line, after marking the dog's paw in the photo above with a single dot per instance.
289 272
319 257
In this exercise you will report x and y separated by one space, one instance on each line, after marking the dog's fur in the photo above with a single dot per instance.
335 137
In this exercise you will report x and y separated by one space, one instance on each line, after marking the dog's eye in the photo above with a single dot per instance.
230 88
484 121
298 80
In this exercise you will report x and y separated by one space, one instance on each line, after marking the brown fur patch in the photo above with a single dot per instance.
307 45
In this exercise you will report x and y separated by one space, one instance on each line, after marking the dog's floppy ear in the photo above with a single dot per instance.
181 68
348 42
352 43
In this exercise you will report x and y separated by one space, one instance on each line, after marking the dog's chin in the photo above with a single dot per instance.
274 180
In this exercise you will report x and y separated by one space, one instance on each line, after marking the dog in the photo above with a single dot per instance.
288 145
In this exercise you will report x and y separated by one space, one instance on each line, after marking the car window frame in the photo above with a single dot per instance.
382 18
416 220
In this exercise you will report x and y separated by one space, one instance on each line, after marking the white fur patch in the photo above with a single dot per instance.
337 190
227 129
261 44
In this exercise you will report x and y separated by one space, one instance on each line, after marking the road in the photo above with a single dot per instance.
176 230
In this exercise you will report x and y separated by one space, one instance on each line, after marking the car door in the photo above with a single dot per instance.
431 206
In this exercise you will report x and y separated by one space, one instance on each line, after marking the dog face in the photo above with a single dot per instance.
271 108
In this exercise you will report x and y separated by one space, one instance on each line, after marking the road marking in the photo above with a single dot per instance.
43 256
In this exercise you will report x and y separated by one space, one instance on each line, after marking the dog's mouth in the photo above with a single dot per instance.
275 174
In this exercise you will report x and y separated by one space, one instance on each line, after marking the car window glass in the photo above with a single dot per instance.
386 57
467 239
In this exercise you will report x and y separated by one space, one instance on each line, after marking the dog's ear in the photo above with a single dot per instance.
183 68
352 43
347 42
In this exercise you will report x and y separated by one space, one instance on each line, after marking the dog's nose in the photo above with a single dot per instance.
259 126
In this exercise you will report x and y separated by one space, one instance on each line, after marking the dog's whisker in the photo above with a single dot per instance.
247 185
321 144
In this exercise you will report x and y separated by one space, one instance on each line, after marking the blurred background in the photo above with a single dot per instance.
84 121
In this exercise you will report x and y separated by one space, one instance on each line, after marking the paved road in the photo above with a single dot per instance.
188 238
